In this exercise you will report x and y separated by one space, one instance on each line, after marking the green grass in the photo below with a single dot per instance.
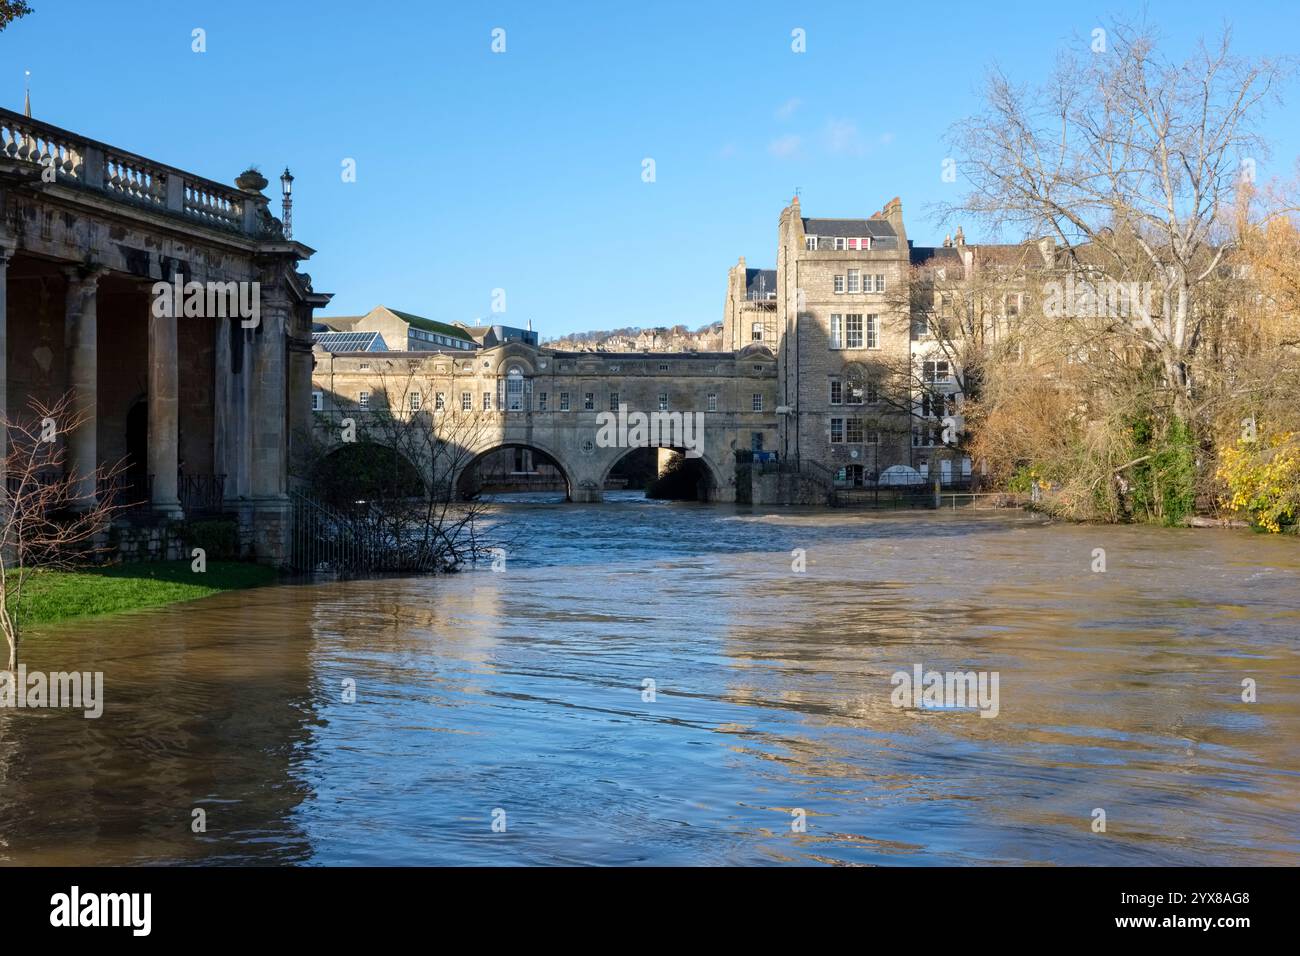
57 595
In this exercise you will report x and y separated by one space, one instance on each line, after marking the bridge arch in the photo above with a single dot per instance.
707 489
356 471
477 455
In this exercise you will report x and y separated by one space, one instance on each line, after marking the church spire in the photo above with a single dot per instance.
27 96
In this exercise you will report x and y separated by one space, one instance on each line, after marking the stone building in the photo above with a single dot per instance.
843 335
866 390
403 331
124 284
749 315
985 290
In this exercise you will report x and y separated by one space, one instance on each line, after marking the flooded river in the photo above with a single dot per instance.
508 717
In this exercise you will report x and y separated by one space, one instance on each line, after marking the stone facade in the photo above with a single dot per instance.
202 408
829 368
843 335
159 542
522 395
749 316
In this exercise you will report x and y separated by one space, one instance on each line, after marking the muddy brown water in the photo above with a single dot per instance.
520 697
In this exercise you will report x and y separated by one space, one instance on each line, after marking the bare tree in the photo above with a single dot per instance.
1130 162
398 485
51 516
966 325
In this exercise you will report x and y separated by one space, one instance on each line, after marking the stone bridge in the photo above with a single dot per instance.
519 395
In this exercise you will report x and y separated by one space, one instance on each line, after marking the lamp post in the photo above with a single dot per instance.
286 206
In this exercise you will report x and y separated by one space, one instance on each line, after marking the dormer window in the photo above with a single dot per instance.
810 243
841 244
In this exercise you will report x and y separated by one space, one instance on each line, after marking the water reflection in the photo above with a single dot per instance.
523 691
208 707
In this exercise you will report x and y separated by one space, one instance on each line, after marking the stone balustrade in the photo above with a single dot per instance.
84 163
133 179
219 207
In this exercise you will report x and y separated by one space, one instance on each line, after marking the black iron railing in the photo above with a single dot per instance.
26 484
131 493
127 493
201 494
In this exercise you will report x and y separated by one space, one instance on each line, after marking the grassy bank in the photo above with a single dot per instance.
57 595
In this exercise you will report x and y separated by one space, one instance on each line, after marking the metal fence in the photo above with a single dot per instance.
322 539
888 497
925 496
370 539
201 496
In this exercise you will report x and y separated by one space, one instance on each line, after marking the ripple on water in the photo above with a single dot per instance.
528 692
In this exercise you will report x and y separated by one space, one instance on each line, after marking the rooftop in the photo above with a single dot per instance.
429 325
938 255
849 228
350 341
760 282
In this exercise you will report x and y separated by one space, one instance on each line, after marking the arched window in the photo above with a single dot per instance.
518 390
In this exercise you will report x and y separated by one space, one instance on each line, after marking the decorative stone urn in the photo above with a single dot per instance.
251 181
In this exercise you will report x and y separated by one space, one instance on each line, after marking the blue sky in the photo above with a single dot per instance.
522 170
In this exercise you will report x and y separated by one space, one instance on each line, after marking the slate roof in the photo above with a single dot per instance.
849 228
938 255
760 281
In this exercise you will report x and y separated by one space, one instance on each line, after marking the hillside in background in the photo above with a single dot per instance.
678 338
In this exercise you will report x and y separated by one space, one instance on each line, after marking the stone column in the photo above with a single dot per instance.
301 417
270 407
230 442
81 340
6 253
268 432
164 414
